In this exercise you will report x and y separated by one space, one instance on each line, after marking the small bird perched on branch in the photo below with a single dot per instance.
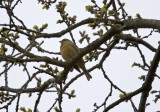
68 49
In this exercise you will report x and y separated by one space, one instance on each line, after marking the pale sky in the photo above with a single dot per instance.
117 65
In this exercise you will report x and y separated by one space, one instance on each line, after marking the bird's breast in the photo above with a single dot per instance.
68 51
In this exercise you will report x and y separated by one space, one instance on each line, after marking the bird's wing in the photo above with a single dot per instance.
75 47
68 51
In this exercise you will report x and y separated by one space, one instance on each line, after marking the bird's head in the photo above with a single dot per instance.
65 41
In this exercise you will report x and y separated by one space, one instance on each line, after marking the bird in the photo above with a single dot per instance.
68 49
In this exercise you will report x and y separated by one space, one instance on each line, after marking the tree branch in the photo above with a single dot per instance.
128 96
149 79
129 37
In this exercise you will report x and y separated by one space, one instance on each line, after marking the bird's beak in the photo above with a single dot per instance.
60 41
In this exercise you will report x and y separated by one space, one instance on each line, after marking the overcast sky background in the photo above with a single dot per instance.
117 65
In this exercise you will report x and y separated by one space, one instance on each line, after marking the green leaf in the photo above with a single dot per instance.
138 16
56 109
44 7
121 95
35 27
78 110
153 91
85 57
59 73
80 41
64 4
22 109
72 92
89 8
44 26
123 4
29 110
133 64
103 10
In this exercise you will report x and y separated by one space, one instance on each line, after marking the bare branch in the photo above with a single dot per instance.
149 79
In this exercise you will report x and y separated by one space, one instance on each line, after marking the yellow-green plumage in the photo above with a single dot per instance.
68 50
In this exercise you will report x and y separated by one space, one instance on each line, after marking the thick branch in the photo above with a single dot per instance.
34 59
129 24
149 79
28 90
128 37
59 34
123 99
141 23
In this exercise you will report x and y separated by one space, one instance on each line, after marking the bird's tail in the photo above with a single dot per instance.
87 75
82 66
